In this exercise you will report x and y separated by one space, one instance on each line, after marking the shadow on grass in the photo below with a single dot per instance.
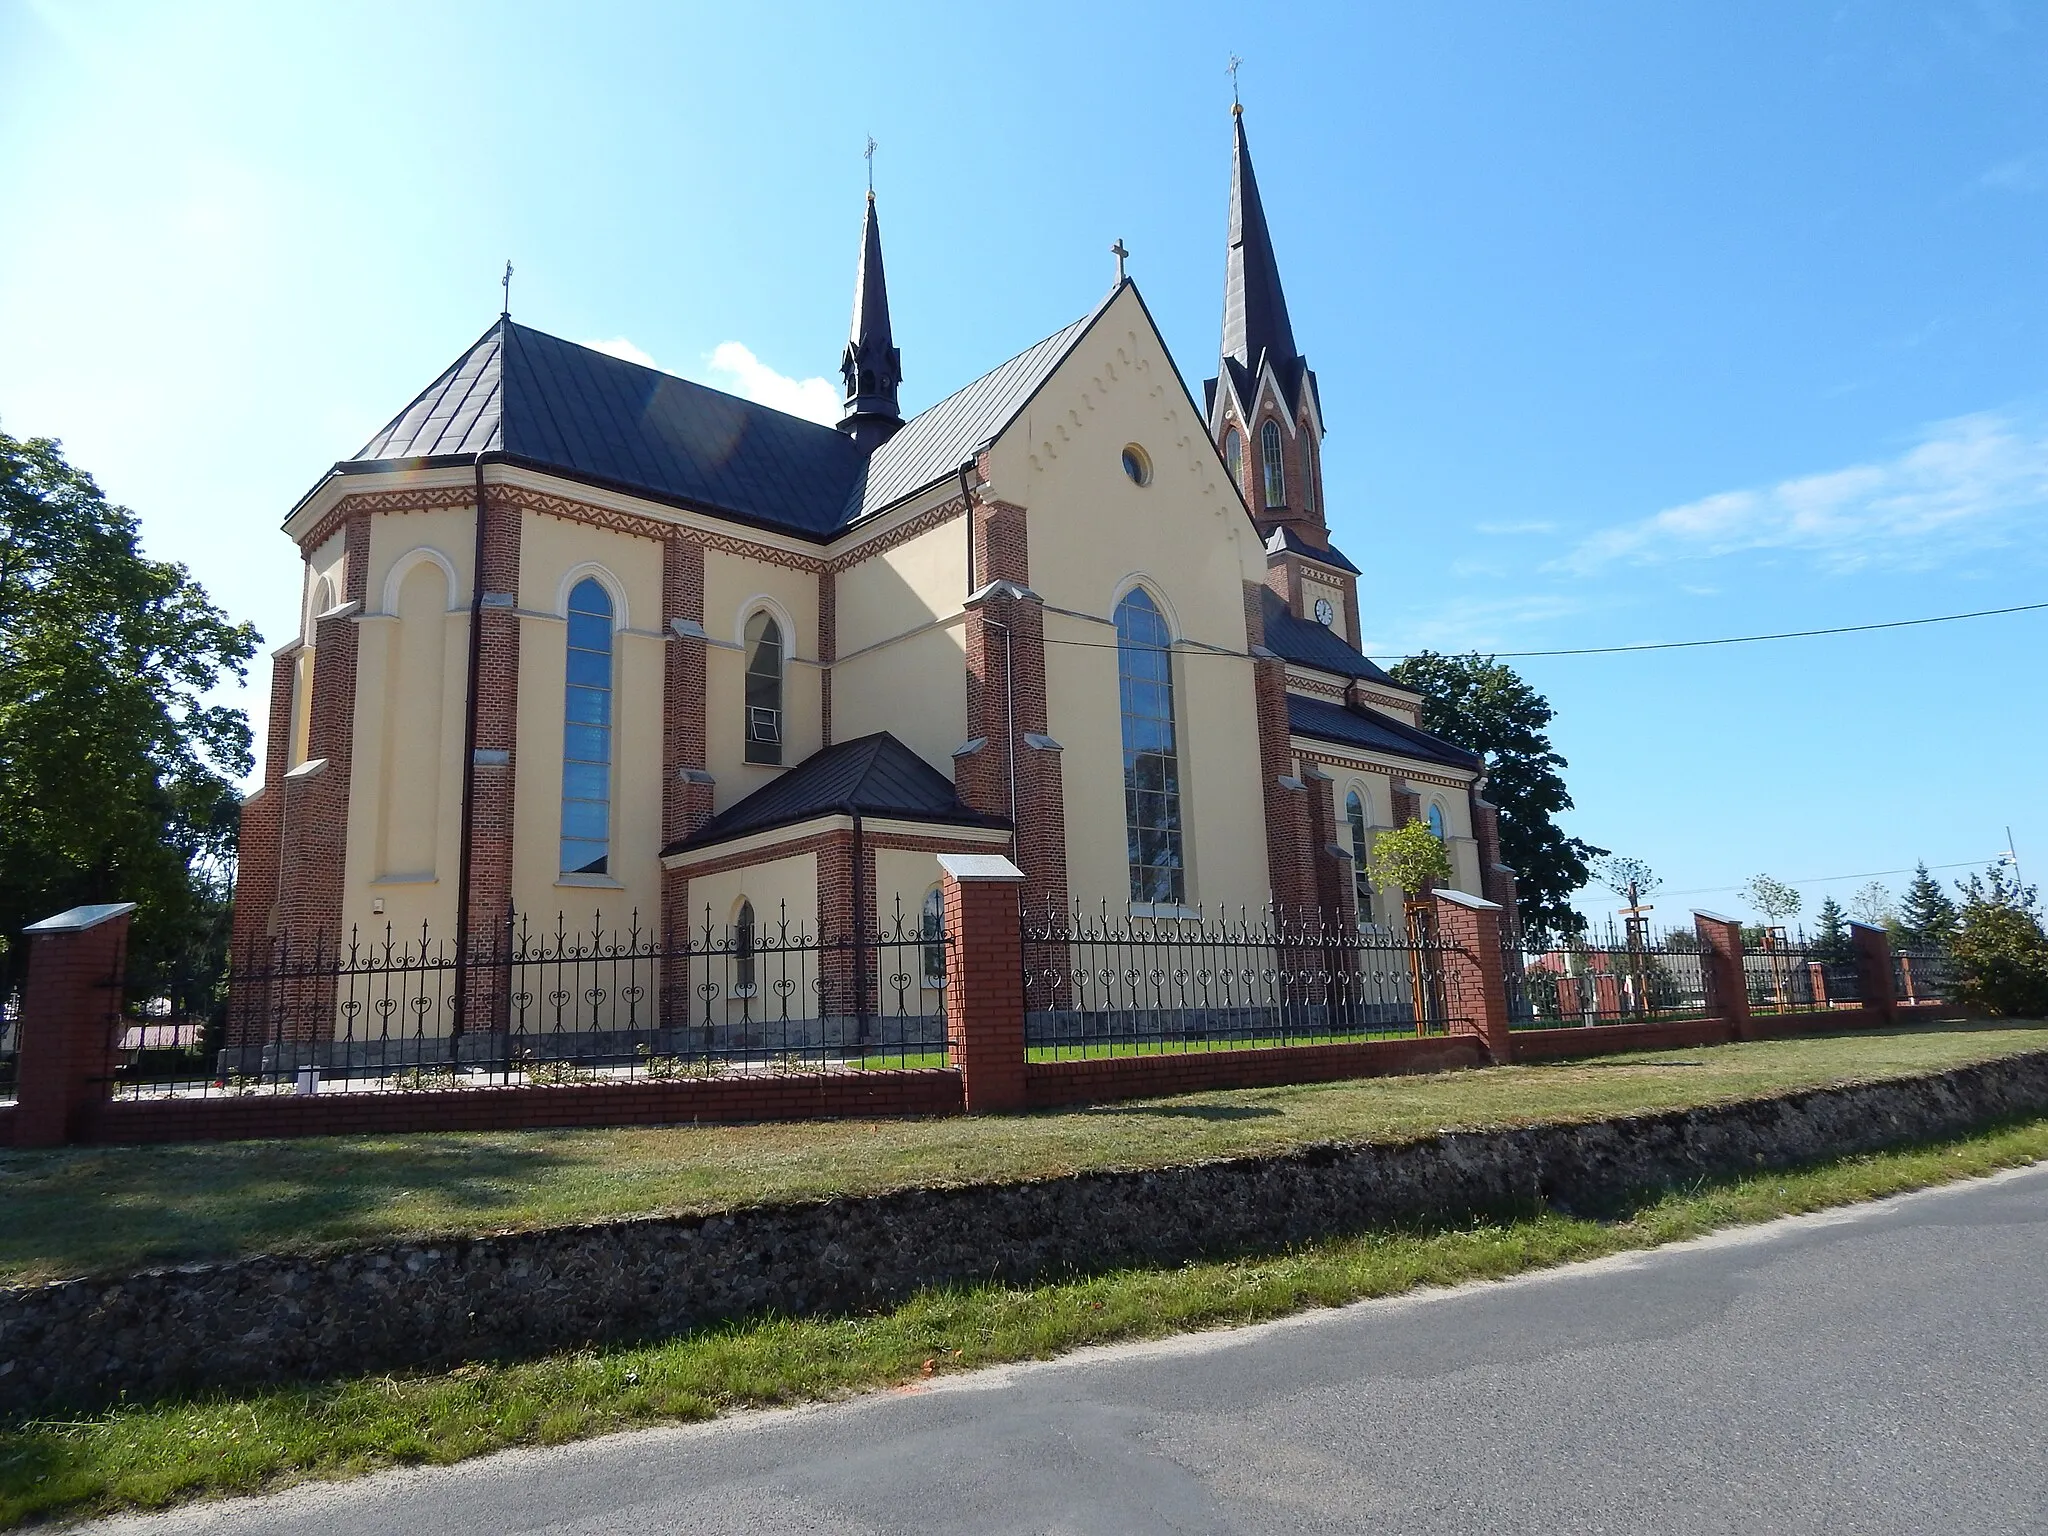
1184 1111
82 1211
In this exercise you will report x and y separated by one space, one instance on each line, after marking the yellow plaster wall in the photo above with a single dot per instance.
780 889
1186 534
731 585
549 549
900 674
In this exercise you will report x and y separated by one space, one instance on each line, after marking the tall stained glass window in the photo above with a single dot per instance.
587 734
1151 761
1233 458
1361 878
764 689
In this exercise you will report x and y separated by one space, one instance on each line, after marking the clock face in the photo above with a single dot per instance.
1325 612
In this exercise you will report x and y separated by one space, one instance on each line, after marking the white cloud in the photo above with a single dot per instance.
619 347
1968 483
1486 627
744 374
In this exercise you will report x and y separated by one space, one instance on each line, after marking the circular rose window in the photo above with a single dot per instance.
1137 465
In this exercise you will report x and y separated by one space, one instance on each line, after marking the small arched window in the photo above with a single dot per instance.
764 689
743 950
932 930
1436 821
1233 458
1308 469
587 733
1361 879
1269 462
1151 760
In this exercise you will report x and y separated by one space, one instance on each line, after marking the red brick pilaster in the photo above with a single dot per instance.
1721 965
70 1011
1475 969
1874 970
1007 708
258 849
1496 880
985 991
1289 860
497 717
1336 898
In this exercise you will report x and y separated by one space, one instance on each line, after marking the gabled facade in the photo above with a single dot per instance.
582 637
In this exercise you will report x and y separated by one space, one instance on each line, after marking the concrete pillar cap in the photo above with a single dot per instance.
78 919
979 866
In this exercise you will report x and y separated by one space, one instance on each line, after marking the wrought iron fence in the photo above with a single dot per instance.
10 1046
545 1005
1110 985
1569 983
1923 975
1786 978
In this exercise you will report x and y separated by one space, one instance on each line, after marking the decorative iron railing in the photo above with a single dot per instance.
1785 978
555 1005
1923 975
1568 983
10 1047
1107 984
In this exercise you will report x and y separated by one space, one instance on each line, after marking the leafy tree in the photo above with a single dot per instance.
1927 915
1775 899
1486 707
1831 938
1410 857
1621 872
2000 949
117 777
1873 904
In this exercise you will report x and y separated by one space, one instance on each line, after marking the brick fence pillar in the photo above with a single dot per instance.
1874 970
1721 968
1475 969
69 1012
985 981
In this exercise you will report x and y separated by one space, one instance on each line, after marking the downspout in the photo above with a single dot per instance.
967 515
466 856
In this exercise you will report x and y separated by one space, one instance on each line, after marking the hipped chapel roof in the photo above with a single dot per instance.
1354 725
1309 644
535 399
869 776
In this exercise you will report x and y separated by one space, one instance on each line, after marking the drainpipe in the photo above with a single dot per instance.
967 511
466 856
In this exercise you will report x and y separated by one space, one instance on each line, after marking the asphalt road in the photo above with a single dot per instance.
1874 1370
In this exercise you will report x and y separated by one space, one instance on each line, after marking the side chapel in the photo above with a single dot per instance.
582 637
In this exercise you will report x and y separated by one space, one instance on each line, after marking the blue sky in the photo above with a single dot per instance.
1633 323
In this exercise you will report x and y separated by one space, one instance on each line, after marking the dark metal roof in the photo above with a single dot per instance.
1356 726
937 441
1255 322
1309 644
1285 537
551 403
873 775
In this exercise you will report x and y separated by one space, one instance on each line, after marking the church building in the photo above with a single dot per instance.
580 637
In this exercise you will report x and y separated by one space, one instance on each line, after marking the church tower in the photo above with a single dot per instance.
871 365
1267 418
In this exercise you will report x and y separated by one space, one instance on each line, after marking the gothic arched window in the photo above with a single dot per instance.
1308 469
743 950
1152 824
1361 879
764 689
1269 463
587 733
1233 458
1436 821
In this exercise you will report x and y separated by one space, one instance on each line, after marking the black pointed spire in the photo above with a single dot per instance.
871 365
1255 320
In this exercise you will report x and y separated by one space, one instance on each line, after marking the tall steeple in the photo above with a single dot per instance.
1255 323
871 366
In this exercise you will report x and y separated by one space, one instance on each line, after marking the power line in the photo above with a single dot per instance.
1868 874
1790 634
1618 650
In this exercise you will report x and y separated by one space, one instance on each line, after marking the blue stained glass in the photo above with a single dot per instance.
586 733
1151 755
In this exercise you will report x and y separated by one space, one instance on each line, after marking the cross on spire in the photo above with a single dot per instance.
1235 62
869 155
1119 253
506 282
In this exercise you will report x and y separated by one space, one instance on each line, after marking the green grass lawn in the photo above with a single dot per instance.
98 1210
237 1443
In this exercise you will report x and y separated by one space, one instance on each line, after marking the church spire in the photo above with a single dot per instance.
871 365
1254 308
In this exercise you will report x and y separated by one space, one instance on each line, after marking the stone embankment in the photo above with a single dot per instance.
81 1343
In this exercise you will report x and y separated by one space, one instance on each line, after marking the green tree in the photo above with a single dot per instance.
1772 897
1621 873
1873 904
2000 949
117 776
1486 707
1831 935
1410 857
1927 917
